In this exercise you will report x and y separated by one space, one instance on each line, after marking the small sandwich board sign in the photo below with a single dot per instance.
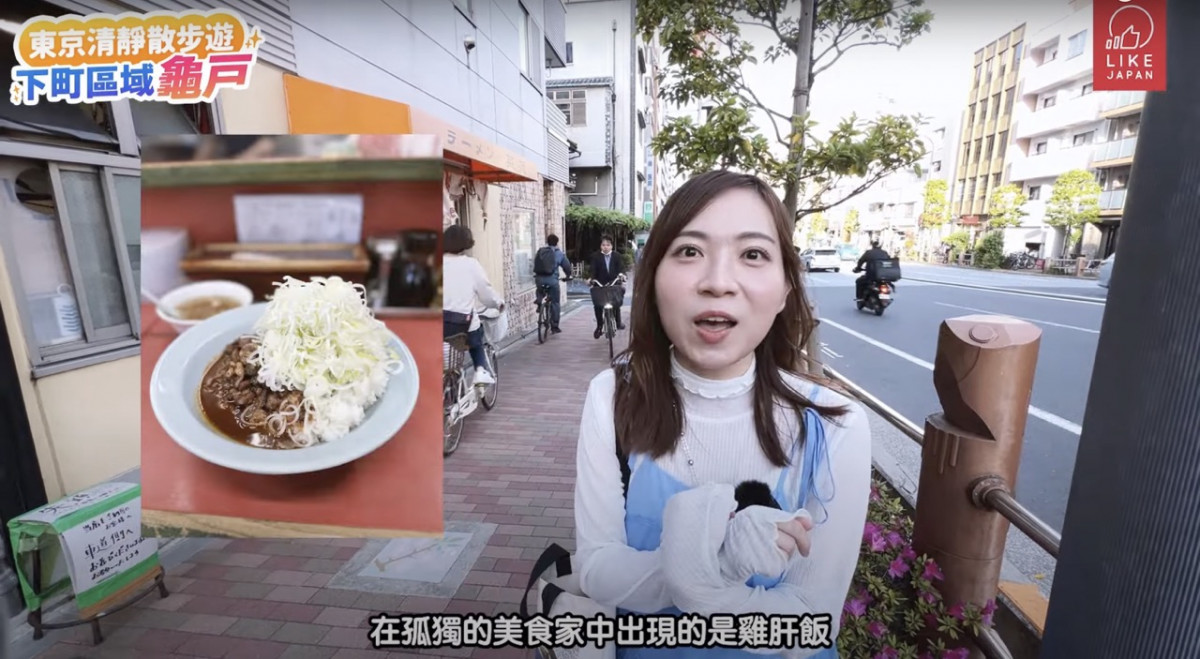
100 553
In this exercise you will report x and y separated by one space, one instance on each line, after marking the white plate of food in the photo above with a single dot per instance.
308 381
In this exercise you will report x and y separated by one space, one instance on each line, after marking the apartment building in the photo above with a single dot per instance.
1063 125
891 209
984 137
608 93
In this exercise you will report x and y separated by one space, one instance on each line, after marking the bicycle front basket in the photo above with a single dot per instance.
602 295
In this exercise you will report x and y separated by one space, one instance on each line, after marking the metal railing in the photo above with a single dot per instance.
987 493
993 496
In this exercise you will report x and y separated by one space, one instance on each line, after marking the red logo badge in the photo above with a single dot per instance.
1130 45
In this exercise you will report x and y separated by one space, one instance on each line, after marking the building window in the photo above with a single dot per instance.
523 40
1018 50
1083 138
585 184
1049 101
1035 192
525 237
1039 148
1075 44
570 52
573 103
1050 56
1002 144
1086 89
73 236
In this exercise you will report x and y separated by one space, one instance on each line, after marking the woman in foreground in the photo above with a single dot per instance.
709 396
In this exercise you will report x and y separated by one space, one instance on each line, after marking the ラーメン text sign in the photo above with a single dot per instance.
1129 45
176 57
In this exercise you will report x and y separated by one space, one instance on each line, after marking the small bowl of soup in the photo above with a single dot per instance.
187 306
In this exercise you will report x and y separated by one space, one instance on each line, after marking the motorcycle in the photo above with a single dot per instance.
879 296
881 289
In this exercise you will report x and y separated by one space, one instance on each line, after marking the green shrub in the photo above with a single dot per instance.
989 251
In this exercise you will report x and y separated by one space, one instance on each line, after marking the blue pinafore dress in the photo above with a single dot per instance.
649 489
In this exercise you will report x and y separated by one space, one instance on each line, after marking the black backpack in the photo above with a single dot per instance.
545 262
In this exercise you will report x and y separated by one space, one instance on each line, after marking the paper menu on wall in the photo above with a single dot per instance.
299 218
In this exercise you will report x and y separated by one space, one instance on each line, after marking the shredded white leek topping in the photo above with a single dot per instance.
319 338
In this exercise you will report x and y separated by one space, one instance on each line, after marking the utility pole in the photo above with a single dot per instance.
1127 583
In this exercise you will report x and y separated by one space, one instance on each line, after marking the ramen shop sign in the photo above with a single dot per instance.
1129 45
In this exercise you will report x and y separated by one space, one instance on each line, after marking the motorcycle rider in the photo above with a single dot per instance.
873 254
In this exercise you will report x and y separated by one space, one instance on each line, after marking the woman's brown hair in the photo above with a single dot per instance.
648 412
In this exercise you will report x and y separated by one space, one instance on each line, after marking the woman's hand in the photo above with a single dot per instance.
793 536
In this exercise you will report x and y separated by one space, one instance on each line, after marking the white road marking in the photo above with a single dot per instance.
825 348
985 288
1048 417
1032 320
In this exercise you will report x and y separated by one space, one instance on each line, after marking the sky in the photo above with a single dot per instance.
930 76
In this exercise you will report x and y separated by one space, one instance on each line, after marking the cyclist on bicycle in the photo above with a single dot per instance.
607 268
465 290
546 264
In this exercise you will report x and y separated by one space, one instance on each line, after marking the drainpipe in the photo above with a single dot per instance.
612 202
634 155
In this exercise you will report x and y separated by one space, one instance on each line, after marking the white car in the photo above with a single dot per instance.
1106 267
822 258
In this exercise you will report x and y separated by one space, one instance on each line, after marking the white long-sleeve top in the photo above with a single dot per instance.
465 287
722 442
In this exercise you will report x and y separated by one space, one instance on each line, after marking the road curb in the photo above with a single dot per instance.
1017 291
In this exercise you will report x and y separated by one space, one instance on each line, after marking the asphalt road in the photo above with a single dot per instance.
892 355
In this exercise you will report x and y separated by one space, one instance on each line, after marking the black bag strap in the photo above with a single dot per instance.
553 555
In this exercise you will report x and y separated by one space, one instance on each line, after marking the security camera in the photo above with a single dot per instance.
469 43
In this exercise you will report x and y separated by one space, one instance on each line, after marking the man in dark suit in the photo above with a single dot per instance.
607 267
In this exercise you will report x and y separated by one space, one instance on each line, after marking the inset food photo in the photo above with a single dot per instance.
291 336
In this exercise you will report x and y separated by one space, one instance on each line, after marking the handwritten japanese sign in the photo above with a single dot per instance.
99 549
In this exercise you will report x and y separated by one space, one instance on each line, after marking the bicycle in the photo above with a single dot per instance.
543 310
609 296
460 397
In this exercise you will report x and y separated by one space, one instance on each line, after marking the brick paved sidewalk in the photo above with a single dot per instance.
513 474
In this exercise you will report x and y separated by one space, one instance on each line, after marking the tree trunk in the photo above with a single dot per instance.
803 84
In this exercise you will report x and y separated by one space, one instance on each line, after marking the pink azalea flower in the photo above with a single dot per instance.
894 539
956 653
897 569
932 571
877 543
988 610
870 530
875 494
929 597
888 652
926 655
908 553
876 629
855 607
930 619
956 611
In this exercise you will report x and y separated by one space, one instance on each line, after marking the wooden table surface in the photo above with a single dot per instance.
396 491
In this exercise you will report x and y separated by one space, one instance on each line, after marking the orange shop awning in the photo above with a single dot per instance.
317 108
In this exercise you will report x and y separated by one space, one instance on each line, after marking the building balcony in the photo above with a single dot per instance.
1114 154
1055 73
1112 200
1049 165
1119 104
1068 114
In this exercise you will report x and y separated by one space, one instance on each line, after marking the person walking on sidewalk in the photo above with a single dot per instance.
710 395
607 267
465 291
546 264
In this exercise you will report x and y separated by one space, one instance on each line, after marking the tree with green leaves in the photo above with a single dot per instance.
850 226
1007 206
936 208
1074 201
820 225
706 52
